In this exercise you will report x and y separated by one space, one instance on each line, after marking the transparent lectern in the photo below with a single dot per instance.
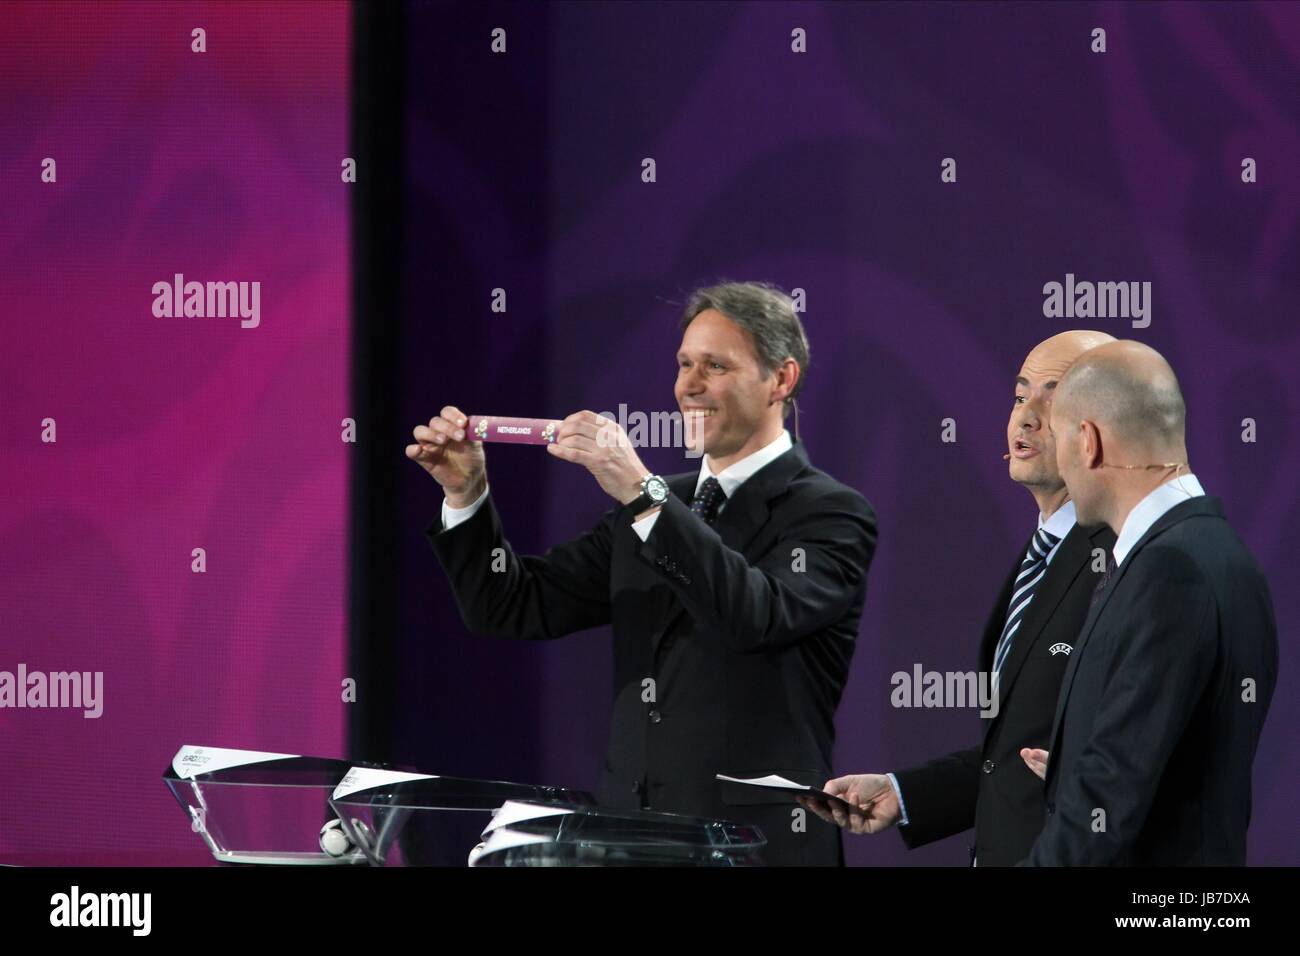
409 819
251 806
530 834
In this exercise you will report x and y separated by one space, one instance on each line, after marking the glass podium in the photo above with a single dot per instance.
251 806
256 807
404 819
530 834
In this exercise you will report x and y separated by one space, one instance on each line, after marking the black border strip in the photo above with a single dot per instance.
376 139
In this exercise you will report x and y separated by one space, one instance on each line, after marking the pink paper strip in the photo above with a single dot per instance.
519 431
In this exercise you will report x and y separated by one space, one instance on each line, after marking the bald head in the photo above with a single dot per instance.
1129 391
1030 449
1061 350
1119 424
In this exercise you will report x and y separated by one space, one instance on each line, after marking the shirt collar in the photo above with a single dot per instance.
733 476
1151 508
1061 521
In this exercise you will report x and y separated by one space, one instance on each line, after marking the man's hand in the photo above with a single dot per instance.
1035 760
456 464
603 448
872 797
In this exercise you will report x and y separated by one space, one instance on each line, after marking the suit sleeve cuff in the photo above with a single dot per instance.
898 792
645 526
454 516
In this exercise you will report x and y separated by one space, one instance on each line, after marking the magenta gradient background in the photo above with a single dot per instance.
172 433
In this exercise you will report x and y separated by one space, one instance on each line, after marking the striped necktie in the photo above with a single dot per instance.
1032 569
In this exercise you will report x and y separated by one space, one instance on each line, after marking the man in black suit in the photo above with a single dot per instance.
1027 640
1169 683
734 593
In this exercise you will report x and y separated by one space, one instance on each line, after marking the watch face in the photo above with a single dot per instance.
656 488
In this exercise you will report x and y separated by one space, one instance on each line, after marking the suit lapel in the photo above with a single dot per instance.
998 617
1187 509
749 508
683 486
744 516
1064 568
1090 622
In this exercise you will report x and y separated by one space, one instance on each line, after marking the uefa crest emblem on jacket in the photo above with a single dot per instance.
1060 648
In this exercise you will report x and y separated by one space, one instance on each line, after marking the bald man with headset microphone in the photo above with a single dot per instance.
1161 708
1026 645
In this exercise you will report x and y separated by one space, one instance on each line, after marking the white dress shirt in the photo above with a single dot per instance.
454 516
1151 509
1060 524
730 478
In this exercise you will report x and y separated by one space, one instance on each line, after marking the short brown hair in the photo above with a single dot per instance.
767 313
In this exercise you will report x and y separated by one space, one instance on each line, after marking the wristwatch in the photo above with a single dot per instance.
654 492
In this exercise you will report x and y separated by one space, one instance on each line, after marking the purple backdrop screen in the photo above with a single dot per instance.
176 457
135 434
825 171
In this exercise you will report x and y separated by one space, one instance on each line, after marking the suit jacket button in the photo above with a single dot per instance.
988 766
655 716
636 786
1051 808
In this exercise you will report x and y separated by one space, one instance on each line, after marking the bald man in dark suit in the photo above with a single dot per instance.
1168 687
1027 641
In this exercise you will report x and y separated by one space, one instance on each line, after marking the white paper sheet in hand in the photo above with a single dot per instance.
771 780
774 782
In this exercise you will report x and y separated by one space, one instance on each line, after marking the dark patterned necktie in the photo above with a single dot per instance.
708 499
1105 579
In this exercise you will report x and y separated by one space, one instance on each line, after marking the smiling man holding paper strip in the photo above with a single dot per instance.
733 592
